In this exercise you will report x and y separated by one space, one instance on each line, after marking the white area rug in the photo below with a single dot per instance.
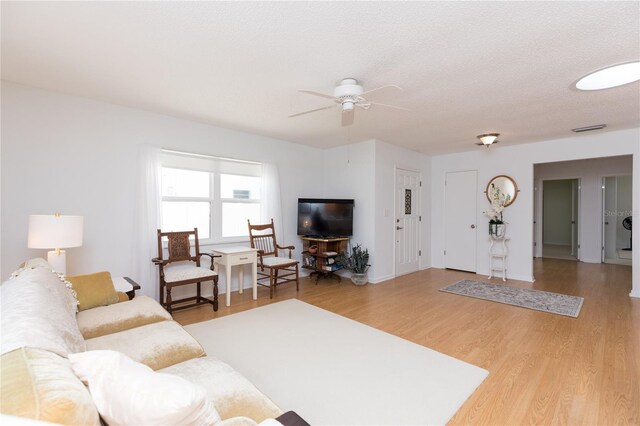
335 371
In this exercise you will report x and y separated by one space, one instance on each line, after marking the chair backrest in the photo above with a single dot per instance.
179 246
263 237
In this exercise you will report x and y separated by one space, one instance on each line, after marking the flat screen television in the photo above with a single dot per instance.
319 217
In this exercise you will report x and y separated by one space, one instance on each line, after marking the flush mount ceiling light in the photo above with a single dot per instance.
488 139
613 76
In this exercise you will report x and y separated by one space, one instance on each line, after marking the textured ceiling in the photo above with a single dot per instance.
466 67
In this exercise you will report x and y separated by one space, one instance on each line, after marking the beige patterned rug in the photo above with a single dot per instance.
545 301
335 371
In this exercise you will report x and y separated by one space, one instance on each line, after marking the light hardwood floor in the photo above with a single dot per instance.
544 368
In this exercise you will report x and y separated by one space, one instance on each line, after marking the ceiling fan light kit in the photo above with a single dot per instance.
488 139
349 94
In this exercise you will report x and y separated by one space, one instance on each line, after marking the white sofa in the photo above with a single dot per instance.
40 327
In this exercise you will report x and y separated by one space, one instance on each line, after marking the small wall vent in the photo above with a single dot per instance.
589 128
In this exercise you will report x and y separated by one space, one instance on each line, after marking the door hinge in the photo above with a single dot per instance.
419 218
420 183
445 252
419 252
535 244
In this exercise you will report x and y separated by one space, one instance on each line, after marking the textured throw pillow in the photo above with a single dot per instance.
94 290
127 393
40 385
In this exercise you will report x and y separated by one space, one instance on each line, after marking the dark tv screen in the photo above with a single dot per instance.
325 217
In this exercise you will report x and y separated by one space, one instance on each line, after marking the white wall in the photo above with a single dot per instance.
366 171
388 159
518 162
78 156
348 171
590 172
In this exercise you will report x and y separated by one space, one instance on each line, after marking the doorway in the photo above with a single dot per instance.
407 221
617 243
560 219
460 220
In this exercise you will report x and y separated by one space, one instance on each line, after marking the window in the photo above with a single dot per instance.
215 195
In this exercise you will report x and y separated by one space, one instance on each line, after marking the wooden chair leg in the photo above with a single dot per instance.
297 281
162 293
275 281
271 283
215 294
198 292
169 298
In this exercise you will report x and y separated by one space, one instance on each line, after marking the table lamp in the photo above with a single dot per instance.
57 232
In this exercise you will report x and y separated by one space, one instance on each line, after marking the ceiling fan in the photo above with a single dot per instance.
348 95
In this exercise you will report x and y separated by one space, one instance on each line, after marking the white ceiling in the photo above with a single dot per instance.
466 67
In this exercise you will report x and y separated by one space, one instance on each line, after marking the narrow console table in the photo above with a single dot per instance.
498 256
238 255
320 261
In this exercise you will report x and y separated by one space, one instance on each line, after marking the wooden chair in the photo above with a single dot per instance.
182 268
280 269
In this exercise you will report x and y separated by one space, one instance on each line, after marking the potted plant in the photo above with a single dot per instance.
357 261
497 226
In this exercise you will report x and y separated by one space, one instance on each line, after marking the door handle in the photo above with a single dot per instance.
473 227
399 228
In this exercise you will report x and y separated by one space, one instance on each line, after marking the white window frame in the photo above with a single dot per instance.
216 167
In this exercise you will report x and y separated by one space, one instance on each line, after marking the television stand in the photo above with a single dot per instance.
322 262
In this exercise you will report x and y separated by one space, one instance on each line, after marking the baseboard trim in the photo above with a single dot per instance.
634 293
381 279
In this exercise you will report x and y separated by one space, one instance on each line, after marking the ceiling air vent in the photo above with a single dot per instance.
589 128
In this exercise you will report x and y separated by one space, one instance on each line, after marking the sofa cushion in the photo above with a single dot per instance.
40 385
111 319
129 393
232 394
94 290
38 311
156 345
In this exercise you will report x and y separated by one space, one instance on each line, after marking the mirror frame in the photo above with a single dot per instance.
515 185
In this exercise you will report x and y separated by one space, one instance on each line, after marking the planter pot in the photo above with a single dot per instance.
359 279
497 230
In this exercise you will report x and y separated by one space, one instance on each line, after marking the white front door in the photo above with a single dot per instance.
460 220
407 221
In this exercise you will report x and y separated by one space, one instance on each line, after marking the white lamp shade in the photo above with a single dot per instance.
54 231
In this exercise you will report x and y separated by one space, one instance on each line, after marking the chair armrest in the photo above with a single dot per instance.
290 248
159 261
291 418
211 256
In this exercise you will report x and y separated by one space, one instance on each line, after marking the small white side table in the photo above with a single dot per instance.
498 253
238 255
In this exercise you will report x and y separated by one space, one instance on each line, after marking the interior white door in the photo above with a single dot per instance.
460 220
407 221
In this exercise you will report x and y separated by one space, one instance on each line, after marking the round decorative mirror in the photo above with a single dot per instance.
504 188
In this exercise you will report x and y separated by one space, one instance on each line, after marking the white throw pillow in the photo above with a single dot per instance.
129 393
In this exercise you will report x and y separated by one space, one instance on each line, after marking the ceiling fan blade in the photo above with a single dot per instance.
313 110
379 90
310 92
347 118
390 106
